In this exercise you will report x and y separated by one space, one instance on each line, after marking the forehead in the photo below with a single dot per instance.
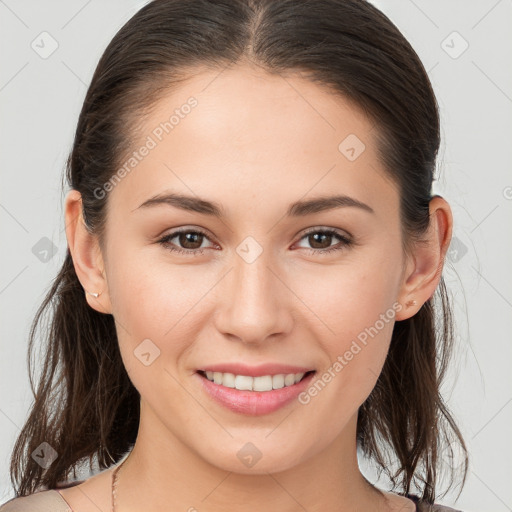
241 133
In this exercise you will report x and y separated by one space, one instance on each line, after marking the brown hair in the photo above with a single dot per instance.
85 404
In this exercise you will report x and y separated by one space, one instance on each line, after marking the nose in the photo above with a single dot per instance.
254 302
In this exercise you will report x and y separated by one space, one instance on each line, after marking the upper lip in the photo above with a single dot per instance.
255 371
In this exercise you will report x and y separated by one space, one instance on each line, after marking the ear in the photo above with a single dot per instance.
86 253
425 265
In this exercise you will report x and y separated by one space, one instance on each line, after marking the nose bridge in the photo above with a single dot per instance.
255 303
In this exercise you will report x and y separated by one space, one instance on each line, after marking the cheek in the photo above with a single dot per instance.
352 297
157 301
355 306
151 305
149 293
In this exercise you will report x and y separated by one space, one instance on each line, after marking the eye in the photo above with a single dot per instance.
321 239
192 241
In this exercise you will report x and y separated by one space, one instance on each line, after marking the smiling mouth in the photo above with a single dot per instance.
259 384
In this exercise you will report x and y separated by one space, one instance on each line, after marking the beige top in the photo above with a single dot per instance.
52 501
42 501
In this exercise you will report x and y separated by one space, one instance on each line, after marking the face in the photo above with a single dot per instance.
314 288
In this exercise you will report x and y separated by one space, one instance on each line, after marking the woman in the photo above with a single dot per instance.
254 250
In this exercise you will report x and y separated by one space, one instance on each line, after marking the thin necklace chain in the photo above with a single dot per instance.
114 485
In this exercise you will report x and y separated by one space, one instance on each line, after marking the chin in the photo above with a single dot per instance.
251 458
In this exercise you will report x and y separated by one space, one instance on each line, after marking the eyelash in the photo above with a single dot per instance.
164 241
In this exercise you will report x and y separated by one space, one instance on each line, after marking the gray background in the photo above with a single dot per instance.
40 98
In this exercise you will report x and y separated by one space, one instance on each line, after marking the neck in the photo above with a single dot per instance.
163 473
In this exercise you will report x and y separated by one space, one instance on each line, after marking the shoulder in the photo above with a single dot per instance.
41 501
435 508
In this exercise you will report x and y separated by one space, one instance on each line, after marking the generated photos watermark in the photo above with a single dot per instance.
344 359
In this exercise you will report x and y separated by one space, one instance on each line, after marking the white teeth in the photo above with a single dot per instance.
228 380
289 380
263 383
278 381
243 382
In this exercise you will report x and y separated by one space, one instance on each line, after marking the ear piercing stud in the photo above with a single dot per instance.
95 295
411 303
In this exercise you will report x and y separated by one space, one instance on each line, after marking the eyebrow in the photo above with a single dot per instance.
296 209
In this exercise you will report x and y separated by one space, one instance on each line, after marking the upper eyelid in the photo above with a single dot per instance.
336 231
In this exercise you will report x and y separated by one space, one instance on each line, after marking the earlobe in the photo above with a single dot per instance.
86 253
426 263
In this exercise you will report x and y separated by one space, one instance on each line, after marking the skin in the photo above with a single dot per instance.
255 143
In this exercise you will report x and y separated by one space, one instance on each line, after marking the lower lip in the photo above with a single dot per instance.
254 403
